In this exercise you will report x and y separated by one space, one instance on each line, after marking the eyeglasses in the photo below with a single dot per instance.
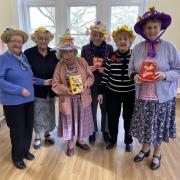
16 42
43 39
97 35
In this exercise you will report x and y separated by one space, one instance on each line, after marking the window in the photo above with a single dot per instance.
80 18
42 16
124 15
77 15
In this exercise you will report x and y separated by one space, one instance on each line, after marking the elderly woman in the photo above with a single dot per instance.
120 89
155 68
17 95
43 62
74 102
97 48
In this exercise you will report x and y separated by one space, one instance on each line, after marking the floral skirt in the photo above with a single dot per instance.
79 123
153 122
44 115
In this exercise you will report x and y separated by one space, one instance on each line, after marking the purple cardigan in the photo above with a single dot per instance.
168 61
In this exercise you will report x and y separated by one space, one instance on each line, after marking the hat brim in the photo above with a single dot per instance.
96 30
14 32
66 48
165 19
34 35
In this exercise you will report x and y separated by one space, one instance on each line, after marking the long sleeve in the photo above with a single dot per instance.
90 76
174 73
39 81
57 85
83 54
4 84
105 77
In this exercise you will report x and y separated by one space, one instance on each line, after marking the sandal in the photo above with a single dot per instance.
37 146
139 158
49 140
154 165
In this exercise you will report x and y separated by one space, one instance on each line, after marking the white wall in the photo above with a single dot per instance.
171 7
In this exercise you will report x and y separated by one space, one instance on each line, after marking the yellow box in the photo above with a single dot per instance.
76 84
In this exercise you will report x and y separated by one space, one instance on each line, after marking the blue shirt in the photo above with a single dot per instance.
13 78
168 61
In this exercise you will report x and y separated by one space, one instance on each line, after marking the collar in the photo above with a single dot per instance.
122 54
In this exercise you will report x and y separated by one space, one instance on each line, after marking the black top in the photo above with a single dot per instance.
42 67
90 51
115 76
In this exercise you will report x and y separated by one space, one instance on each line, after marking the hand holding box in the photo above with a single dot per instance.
148 70
98 62
76 84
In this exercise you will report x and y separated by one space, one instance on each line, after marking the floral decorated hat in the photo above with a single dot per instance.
66 42
41 30
152 13
10 31
124 28
98 26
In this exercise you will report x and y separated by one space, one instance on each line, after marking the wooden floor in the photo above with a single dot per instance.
51 163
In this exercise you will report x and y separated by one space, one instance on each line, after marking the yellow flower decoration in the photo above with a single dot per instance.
41 30
151 9
66 39
123 29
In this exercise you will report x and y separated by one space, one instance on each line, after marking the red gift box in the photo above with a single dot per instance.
98 62
148 70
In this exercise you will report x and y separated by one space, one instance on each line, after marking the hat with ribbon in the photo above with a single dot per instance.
151 14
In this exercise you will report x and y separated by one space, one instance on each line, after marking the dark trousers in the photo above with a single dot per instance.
104 121
20 119
114 103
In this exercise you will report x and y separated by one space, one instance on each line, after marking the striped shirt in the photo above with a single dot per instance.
115 77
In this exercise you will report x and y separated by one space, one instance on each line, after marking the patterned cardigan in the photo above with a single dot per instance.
60 79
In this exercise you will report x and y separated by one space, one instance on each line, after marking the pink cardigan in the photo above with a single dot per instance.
59 78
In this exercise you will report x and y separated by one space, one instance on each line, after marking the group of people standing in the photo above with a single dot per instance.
29 82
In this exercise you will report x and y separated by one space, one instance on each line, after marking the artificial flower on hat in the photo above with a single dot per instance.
41 30
152 13
66 42
12 31
98 26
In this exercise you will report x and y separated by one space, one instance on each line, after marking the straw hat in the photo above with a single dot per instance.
10 32
41 30
66 42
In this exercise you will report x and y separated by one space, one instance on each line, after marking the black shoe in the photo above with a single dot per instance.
155 166
139 158
29 156
19 164
106 137
37 146
49 140
83 146
110 146
129 147
92 138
